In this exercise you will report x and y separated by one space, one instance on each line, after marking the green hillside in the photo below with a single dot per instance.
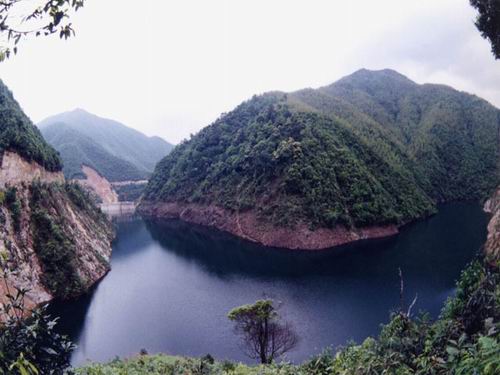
452 135
114 150
372 148
17 133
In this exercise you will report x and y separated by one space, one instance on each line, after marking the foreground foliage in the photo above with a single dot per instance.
464 340
29 343
20 19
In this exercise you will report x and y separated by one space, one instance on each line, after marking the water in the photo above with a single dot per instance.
172 284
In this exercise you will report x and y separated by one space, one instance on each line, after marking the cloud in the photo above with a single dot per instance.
170 68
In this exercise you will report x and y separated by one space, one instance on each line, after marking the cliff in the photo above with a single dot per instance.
492 245
98 184
15 170
53 241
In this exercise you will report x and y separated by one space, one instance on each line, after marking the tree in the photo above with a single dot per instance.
264 335
22 18
488 22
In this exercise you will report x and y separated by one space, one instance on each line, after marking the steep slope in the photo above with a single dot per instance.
317 168
115 150
53 241
452 135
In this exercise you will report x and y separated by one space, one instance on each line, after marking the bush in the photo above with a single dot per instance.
29 344
14 205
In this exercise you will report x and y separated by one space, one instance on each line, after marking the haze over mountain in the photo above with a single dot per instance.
372 149
116 151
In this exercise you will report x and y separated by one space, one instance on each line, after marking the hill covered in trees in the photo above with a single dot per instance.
373 148
114 150
18 134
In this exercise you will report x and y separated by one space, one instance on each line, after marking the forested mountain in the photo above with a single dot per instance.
17 133
116 151
452 135
76 149
373 148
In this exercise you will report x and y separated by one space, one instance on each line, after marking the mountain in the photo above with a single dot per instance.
114 150
51 234
452 135
317 168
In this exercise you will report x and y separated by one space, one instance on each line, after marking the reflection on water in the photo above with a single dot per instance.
172 284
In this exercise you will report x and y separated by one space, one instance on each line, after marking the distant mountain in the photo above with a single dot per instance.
372 149
116 151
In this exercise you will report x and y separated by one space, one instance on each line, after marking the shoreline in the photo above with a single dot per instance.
247 226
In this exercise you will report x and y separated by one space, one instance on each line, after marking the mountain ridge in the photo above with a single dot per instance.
371 149
114 150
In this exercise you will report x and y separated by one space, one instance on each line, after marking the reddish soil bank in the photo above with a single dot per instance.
247 225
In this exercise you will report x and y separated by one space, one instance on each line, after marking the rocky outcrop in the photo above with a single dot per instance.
15 170
247 225
36 205
99 185
492 246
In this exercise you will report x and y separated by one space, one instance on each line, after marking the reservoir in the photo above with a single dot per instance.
172 285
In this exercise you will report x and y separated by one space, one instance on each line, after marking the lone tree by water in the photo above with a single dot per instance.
264 335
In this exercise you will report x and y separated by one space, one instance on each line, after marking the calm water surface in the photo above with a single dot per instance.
172 284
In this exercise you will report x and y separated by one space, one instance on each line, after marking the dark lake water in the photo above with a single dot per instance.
172 284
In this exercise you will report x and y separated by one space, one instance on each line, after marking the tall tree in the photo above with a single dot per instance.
488 22
22 18
264 335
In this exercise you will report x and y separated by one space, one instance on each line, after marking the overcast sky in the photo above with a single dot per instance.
169 68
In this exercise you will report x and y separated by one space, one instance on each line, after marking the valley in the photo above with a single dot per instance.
253 187
109 159
377 191
188 277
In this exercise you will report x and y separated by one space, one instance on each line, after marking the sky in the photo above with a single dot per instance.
171 67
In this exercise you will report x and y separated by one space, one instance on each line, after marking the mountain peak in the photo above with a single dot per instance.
80 111
382 74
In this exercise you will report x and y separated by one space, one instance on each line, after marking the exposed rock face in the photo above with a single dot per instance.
248 226
99 185
492 246
86 231
15 170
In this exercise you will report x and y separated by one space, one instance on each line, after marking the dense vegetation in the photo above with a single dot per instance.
117 152
372 148
54 247
130 192
464 340
17 133
453 136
